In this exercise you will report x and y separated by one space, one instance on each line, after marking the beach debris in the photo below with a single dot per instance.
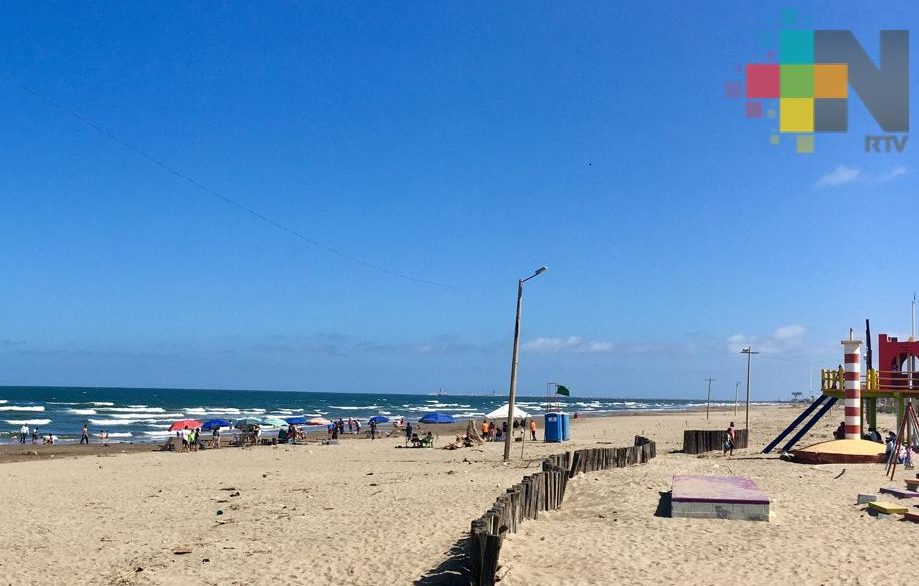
228 488
374 484
182 550
206 560
219 511
840 474
138 569
234 493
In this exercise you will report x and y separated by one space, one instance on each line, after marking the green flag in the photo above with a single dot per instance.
562 390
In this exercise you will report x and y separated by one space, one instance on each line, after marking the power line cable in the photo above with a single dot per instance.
212 192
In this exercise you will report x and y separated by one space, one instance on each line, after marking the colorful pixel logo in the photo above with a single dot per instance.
811 83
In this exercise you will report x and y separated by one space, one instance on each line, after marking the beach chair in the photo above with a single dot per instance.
426 441
169 445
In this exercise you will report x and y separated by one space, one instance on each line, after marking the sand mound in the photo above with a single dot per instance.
845 450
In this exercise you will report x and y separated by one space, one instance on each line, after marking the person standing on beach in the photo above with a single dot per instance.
84 435
729 437
34 435
486 430
350 426
357 426
23 433
533 429
408 433
373 429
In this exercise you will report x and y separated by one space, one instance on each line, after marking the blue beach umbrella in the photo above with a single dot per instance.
212 424
437 417
379 419
298 420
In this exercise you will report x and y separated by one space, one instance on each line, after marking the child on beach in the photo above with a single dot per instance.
84 435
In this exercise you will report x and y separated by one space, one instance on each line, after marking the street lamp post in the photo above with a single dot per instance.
749 352
512 395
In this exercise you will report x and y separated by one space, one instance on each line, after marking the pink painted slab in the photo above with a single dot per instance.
717 489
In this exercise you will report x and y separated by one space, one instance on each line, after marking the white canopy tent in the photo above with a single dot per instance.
501 413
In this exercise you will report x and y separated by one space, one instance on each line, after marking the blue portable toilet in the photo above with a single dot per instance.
565 423
554 431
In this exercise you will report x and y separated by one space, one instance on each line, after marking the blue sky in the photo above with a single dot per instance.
460 143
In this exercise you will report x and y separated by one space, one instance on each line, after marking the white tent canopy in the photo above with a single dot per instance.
501 413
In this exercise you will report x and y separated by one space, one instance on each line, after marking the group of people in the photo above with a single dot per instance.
191 438
891 445
492 433
337 428
35 435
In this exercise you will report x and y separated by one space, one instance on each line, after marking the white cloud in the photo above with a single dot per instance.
789 332
574 344
896 172
838 176
784 338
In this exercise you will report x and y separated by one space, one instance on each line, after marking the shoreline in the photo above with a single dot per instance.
28 452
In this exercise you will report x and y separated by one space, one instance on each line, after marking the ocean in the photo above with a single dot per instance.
144 415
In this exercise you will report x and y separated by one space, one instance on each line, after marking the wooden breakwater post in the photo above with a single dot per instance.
542 491
696 441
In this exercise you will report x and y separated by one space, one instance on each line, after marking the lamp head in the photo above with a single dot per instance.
540 271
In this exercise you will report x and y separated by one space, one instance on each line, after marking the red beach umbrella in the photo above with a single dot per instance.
183 423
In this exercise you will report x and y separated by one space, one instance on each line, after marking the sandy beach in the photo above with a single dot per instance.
366 512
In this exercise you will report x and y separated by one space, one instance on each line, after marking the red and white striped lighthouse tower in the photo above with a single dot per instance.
853 380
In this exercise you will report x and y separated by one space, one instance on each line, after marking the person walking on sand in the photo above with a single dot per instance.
23 433
84 435
533 429
729 440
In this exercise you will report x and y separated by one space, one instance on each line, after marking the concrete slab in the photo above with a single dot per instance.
901 493
866 498
718 497
887 508
914 517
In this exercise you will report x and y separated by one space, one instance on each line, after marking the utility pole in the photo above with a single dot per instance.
749 352
736 386
708 404
912 338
